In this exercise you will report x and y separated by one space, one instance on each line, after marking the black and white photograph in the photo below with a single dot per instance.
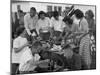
52 37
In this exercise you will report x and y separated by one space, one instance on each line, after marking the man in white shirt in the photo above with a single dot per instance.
57 24
30 20
43 26
19 46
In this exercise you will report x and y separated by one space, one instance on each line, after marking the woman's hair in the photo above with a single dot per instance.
33 8
16 17
78 13
55 14
90 13
68 19
19 31
20 11
41 12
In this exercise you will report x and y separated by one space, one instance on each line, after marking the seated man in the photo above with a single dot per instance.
73 60
31 59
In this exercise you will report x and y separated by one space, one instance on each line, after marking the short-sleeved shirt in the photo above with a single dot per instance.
30 22
84 25
17 43
58 25
43 24
26 57
80 26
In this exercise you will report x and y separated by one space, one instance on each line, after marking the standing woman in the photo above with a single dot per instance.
82 27
43 26
90 19
89 15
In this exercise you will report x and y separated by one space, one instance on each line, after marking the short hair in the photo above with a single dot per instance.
20 11
68 19
90 13
33 8
78 13
19 31
36 44
41 12
55 13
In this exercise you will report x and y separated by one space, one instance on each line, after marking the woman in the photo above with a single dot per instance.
19 46
43 26
89 15
90 19
80 25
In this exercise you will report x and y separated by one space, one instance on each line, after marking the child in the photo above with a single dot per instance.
31 59
19 46
73 60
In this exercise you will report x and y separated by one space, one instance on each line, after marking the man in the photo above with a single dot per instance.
57 24
21 17
20 21
30 20
43 26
